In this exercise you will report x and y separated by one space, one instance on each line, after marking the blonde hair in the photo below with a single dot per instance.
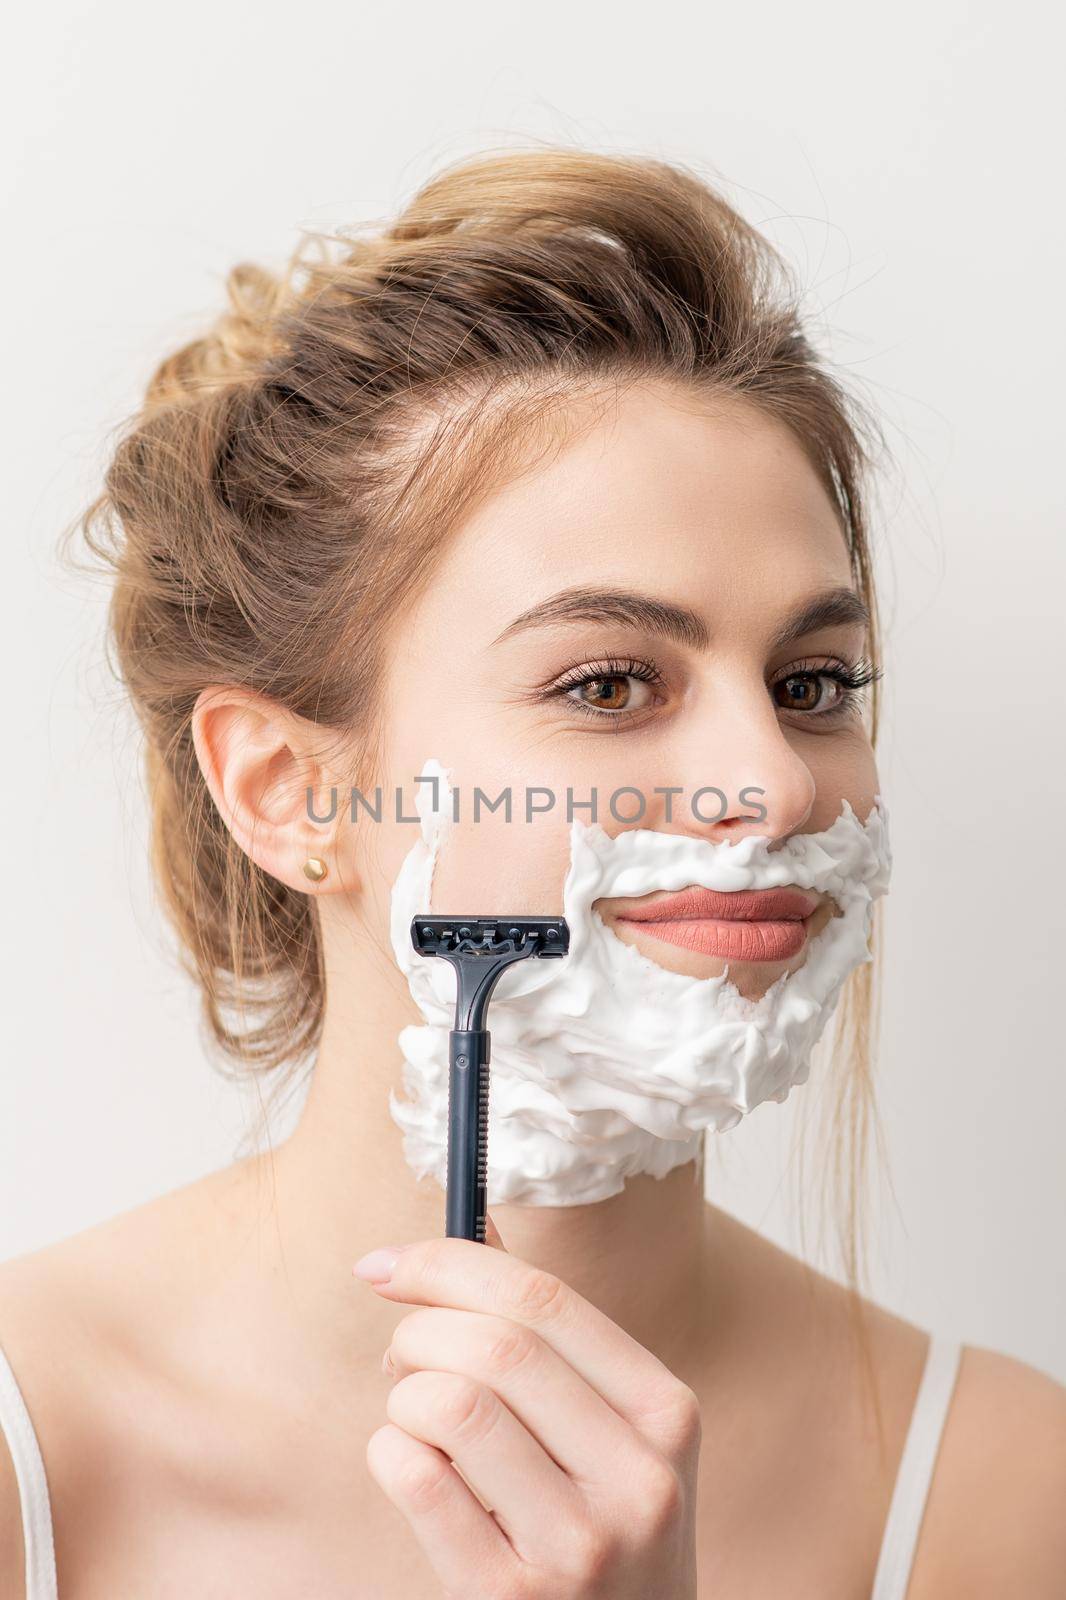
290 479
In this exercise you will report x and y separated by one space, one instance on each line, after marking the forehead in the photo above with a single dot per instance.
706 500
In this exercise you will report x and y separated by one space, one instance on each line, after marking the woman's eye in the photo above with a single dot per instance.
616 692
810 691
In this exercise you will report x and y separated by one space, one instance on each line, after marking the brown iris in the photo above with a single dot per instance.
612 694
804 688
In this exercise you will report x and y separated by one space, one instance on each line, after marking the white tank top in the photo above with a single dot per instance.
897 1546
33 1487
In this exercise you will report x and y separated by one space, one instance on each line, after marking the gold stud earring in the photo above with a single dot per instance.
315 869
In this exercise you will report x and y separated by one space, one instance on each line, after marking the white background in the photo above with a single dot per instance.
907 160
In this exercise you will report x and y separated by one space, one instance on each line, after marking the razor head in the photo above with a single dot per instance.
491 938
482 948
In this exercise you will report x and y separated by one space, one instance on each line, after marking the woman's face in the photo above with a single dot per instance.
617 620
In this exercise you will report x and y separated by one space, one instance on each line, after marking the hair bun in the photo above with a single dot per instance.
241 341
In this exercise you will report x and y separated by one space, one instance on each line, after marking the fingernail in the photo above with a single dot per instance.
377 1265
386 1364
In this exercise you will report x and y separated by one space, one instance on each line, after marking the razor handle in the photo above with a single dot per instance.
480 949
468 1130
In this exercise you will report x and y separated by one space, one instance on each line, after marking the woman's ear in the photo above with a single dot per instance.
258 763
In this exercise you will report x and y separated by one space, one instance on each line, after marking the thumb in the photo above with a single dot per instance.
492 1234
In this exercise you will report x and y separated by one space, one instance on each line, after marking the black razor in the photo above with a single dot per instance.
480 949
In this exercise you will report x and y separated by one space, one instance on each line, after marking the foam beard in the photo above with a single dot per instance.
605 1064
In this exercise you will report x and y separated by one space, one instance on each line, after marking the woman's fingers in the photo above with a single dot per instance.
569 1439
503 1464
457 1534
468 1277
573 1423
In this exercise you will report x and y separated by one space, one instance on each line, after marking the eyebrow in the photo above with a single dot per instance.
625 606
832 608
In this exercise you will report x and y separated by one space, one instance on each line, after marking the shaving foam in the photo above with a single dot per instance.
605 1064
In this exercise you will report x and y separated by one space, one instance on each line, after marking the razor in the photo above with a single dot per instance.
480 949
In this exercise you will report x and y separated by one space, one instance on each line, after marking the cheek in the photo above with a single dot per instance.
493 868
843 768
486 864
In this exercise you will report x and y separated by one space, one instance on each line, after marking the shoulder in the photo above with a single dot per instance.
100 1281
100 1331
55 1332
994 1522
85 1315
118 1290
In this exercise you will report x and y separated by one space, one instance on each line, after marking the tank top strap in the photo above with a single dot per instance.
915 1472
32 1485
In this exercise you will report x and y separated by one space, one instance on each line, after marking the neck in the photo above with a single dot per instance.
340 1185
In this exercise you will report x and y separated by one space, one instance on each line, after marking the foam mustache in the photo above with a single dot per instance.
606 1064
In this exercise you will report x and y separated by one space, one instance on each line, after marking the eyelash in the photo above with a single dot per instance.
595 672
852 680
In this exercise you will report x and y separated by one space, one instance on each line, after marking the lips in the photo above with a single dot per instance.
749 925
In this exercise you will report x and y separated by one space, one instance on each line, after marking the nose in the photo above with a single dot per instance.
752 780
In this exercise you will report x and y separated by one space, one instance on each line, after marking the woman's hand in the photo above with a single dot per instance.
580 1447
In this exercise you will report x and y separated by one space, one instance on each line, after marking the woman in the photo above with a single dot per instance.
543 480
